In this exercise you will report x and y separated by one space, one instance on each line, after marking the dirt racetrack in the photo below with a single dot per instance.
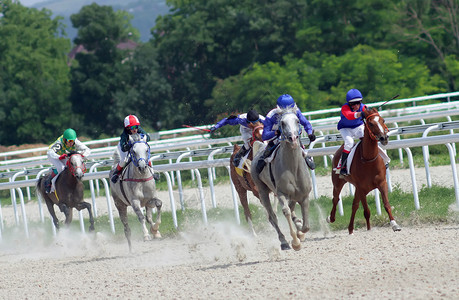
222 261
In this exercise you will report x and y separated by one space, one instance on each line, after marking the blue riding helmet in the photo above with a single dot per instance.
285 101
353 95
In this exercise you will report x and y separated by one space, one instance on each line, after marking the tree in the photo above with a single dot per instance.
100 71
34 75
430 30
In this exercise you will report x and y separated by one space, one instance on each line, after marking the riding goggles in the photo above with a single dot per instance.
70 141
134 127
253 122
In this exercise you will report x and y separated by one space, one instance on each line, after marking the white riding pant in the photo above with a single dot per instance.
349 134
123 157
246 134
60 166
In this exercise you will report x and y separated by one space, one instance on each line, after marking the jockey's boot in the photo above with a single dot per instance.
239 155
117 173
261 161
48 182
343 171
155 175
308 159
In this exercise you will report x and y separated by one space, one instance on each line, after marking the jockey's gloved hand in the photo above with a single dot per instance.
278 133
212 129
312 137
63 156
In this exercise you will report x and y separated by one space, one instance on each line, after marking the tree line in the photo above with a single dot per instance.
210 58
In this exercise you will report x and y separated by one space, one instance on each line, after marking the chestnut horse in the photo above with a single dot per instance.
69 191
243 181
367 171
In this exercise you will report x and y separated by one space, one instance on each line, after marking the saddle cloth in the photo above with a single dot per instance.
382 153
244 164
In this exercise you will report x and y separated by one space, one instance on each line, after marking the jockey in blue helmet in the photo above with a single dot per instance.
350 125
271 132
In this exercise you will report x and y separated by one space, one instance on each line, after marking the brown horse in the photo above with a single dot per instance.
242 179
367 171
69 191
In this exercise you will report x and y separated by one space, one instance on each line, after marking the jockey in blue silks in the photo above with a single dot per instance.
351 124
247 123
271 131
131 126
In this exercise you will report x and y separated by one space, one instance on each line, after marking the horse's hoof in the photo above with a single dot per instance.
91 228
285 246
147 238
298 224
329 220
301 235
296 247
157 235
395 226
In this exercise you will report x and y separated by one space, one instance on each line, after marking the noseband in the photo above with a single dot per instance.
133 156
73 168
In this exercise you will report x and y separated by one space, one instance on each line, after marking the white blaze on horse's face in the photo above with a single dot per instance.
381 134
290 128
77 165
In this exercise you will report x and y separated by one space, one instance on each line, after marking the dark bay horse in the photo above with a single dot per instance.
367 171
69 191
137 188
287 176
242 179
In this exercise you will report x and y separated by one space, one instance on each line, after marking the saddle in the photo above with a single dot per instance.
382 153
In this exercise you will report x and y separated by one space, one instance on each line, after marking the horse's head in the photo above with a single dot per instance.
140 151
257 131
375 125
76 164
289 125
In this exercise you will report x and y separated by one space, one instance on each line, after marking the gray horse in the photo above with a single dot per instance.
69 191
137 188
287 176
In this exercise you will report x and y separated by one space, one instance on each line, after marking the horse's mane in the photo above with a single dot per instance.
288 110
72 152
136 137
369 111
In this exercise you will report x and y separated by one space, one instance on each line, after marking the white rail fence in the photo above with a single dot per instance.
196 166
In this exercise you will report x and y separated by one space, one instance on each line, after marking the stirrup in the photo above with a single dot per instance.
310 162
115 177
343 171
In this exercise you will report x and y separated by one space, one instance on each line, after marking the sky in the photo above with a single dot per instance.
30 2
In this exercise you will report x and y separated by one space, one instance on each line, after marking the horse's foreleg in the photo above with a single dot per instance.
122 211
141 217
154 227
305 213
50 206
264 197
296 244
67 212
337 187
358 197
366 212
245 204
83 205
384 196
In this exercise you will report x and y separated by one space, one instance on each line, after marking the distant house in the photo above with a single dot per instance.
126 45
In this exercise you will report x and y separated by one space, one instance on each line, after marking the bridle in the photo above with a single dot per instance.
133 156
282 135
372 136
73 168
254 137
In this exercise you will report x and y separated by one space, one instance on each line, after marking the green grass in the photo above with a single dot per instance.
435 208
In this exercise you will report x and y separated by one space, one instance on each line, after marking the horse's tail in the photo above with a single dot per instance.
116 157
37 186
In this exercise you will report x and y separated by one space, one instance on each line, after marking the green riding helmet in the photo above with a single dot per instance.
70 134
